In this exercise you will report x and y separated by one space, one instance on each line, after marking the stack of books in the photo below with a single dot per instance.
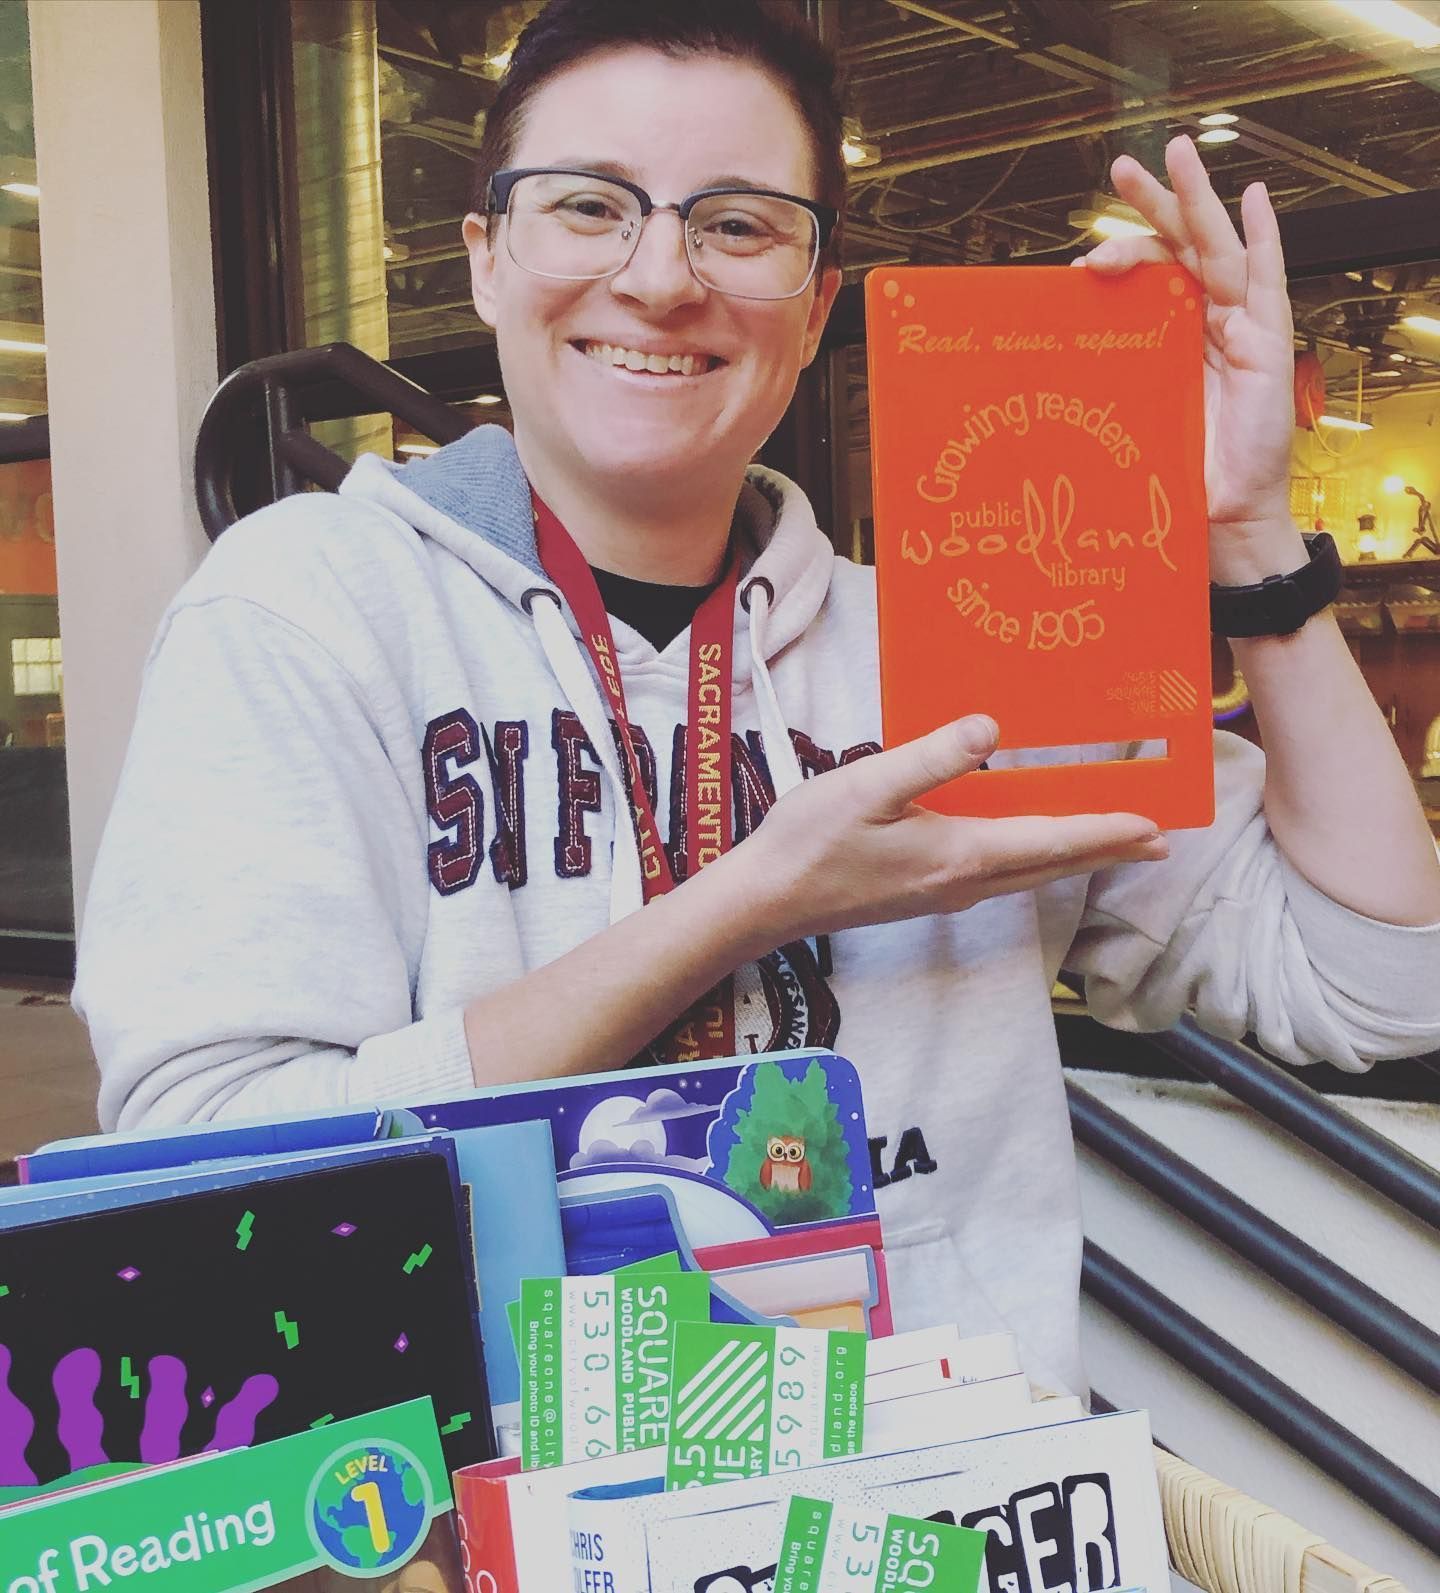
620 1333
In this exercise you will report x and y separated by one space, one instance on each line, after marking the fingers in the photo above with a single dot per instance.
1005 847
1267 297
1117 255
1190 219
1149 196
891 780
1220 254
1033 879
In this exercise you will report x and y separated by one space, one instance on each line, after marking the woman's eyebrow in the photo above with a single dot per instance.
618 168
732 180
597 168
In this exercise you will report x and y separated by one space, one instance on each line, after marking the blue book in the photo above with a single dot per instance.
509 1174
97 1154
23 1205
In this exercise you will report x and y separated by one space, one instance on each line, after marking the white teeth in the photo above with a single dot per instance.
656 364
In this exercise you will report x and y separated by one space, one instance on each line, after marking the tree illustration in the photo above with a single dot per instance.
792 1109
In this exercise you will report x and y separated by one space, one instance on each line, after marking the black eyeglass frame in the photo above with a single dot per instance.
502 185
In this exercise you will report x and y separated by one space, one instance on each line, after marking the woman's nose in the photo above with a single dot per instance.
659 273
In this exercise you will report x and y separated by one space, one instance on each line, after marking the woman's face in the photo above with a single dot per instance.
672 126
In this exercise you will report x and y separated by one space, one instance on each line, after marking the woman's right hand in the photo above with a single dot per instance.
851 846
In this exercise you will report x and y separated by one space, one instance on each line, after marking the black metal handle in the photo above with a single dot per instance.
288 390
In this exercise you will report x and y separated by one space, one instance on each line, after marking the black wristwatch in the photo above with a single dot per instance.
1280 604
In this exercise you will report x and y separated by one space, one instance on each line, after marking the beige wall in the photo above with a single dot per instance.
130 328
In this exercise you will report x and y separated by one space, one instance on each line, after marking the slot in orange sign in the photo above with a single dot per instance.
1040 530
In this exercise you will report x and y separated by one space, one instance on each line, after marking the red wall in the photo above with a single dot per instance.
27 529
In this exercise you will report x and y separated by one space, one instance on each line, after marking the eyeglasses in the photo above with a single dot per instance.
578 227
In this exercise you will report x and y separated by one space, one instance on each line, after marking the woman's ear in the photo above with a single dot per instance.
475 230
826 287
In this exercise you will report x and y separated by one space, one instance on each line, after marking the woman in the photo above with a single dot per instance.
378 837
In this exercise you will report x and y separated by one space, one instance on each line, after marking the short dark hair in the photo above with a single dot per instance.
771 36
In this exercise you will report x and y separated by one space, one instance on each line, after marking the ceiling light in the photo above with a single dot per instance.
487 398
417 448
1393 484
1382 375
14 345
1217 135
7 416
1344 423
1354 276
1219 119
858 152
1399 359
1108 225
501 59
22 190
1421 323
1391 17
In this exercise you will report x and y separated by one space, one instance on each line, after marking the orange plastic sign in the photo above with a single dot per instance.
1037 440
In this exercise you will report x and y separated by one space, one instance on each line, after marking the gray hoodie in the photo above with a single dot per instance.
372 778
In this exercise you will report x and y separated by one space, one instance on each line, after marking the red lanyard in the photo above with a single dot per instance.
709 1028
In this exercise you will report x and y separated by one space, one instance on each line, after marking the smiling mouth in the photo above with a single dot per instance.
633 359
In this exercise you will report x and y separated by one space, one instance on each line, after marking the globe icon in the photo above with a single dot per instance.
370 1509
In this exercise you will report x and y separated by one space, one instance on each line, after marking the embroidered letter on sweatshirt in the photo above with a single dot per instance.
455 801
508 750
579 793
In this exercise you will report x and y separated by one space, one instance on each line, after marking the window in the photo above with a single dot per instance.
36 912
35 666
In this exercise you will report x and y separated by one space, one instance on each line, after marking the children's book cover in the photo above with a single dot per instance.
756 1170
361 1502
238 1316
1040 532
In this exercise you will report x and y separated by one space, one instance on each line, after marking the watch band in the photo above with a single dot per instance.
1280 604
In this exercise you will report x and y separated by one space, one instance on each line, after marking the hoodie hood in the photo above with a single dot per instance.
473 498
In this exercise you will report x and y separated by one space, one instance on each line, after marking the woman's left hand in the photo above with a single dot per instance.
1249 352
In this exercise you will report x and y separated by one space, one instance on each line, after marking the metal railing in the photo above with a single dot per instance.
1333 1449
1286 1260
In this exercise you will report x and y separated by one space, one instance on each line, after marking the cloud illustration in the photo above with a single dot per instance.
665 1106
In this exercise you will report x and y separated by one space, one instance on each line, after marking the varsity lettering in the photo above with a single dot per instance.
457 805
579 793
454 800
508 750
677 847
812 759
754 790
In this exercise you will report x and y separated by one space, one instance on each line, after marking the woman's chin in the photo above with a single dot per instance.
642 467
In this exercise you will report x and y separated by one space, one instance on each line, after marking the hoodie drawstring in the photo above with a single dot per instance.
756 595
573 676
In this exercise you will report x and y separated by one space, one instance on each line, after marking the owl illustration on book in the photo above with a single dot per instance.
785 1167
